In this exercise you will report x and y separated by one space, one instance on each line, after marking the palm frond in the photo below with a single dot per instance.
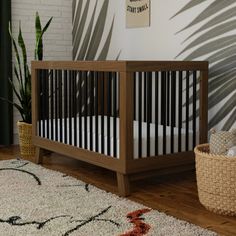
224 111
85 44
212 9
212 33
230 121
81 26
97 32
209 47
215 43
17 56
221 54
104 52
221 93
224 16
190 5
76 17
88 31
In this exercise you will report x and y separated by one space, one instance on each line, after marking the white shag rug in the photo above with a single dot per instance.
37 201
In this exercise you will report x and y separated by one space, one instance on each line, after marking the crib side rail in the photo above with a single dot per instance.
77 104
170 106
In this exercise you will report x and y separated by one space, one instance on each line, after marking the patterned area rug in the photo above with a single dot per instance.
38 201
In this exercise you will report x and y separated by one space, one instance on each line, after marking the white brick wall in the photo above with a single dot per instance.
58 38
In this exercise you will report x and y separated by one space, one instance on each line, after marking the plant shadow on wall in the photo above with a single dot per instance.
88 35
215 41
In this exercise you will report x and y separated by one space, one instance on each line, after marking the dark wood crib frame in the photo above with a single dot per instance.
126 167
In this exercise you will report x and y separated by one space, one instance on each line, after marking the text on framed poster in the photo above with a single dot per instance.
137 13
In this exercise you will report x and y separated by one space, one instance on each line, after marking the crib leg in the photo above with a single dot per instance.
123 184
39 155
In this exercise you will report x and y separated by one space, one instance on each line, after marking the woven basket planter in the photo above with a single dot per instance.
216 181
27 149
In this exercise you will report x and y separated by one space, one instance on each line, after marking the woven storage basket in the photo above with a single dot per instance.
25 139
216 181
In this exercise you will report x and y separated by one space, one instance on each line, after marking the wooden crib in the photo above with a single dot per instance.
136 118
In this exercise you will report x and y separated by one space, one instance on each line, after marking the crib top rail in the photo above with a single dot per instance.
122 66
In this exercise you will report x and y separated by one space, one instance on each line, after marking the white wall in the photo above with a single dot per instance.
58 38
157 42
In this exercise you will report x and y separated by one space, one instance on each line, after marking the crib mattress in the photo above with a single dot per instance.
65 123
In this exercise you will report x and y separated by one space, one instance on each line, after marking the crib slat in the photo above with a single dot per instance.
108 112
102 113
187 112
65 105
180 94
70 107
168 98
114 114
39 77
149 109
96 111
163 112
74 107
156 111
140 114
44 101
173 109
91 96
80 108
47 102
52 88
194 106
145 97
85 79
60 102
134 95
56 105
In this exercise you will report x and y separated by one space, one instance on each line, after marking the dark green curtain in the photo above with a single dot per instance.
6 130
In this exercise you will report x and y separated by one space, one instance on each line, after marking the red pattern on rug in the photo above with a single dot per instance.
140 227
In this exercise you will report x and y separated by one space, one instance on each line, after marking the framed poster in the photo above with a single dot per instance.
137 13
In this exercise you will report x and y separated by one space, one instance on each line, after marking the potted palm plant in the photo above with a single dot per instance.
22 86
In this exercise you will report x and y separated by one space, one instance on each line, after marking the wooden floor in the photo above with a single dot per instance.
175 195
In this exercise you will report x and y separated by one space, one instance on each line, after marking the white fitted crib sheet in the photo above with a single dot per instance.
47 126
